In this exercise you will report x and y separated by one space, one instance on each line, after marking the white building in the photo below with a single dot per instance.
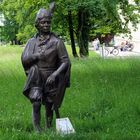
135 34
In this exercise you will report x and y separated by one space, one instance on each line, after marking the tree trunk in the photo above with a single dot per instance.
83 31
15 42
72 34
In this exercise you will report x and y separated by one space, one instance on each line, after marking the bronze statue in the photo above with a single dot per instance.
47 67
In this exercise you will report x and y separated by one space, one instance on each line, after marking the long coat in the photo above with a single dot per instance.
55 56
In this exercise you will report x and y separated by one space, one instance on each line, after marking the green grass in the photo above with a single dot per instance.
103 101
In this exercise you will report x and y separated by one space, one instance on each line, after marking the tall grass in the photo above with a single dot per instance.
103 101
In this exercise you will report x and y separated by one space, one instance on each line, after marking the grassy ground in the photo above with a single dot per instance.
103 102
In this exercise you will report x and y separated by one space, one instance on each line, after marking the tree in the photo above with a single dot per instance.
99 18
10 28
78 20
70 22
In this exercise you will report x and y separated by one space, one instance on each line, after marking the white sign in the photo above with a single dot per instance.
64 126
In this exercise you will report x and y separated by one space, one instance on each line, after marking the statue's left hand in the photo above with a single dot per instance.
51 79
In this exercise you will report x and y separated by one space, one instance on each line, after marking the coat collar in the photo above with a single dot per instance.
42 40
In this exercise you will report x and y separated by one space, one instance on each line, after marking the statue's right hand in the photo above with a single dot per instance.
36 56
39 56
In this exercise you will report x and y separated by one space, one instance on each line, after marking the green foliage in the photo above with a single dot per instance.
27 33
104 16
102 102
10 29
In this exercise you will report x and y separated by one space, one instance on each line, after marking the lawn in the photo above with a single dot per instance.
103 102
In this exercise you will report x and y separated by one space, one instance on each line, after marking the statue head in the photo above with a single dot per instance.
43 19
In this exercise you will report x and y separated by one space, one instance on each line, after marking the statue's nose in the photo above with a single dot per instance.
46 24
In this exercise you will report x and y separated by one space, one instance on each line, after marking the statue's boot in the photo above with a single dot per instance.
36 116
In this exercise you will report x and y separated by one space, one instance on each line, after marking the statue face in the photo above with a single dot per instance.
44 25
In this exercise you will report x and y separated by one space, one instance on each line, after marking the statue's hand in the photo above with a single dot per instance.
51 79
39 56
36 56
42 55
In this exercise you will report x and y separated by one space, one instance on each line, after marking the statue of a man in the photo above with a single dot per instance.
47 67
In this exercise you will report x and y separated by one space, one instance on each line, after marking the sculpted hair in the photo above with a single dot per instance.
43 13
